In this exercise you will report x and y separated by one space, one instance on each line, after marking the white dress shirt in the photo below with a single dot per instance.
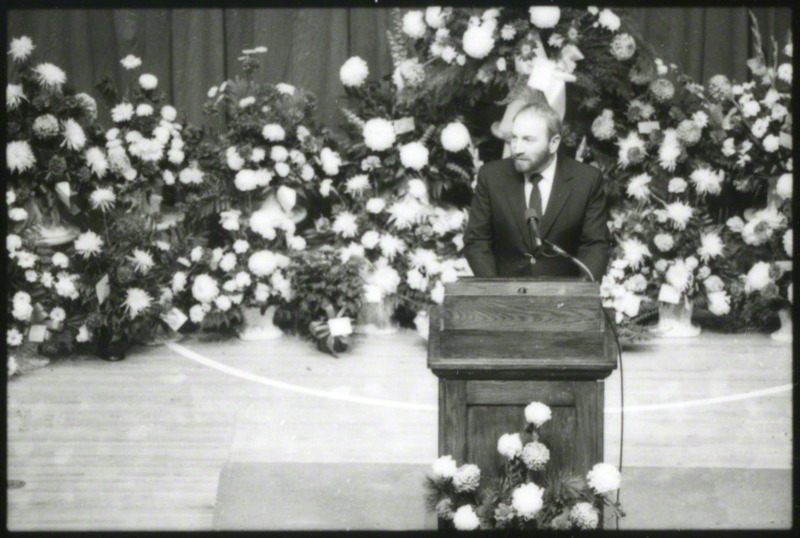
545 185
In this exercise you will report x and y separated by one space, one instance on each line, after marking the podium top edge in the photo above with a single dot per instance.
512 286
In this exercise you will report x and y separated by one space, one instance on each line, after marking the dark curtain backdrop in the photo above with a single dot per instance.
190 50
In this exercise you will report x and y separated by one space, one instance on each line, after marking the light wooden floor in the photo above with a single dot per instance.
140 444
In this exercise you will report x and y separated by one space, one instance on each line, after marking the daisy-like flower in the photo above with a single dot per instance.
638 186
679 214
527 500
148 81
88 244
130 62
142 261
356 185
379 134
631 150
584 516
137 301
509 445
669 150
14 96
19 156
354 72
122 112
21 48
50 76
391 246
706 181
13 338
465 518
455 137
604 478
635 252
711 246
345 224
74 137
507 32
97 162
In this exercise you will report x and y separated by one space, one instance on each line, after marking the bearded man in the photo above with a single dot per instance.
564 197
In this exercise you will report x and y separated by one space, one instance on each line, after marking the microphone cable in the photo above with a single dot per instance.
559 251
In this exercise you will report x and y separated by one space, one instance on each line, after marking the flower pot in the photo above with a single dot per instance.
258 326
675 320
376 318
784 334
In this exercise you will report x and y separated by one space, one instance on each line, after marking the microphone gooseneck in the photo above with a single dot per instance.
532 218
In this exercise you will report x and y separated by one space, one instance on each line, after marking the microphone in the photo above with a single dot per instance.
532 218
561 252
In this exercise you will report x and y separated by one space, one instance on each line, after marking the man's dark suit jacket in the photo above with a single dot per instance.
498 238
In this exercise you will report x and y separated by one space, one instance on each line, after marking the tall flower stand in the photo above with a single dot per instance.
675 320
258 326
375 318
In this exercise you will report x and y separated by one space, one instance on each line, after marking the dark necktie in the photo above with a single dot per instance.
535 200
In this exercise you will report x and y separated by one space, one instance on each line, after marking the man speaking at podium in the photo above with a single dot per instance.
527 207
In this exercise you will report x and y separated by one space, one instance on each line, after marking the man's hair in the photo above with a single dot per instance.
540 107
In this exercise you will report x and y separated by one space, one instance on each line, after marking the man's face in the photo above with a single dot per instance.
531 147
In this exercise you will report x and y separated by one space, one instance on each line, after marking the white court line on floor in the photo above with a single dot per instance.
200 359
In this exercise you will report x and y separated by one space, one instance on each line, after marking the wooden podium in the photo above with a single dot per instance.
497 344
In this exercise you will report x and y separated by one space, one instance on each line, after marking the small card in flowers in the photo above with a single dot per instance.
403 125
340 326
174 318
786 140
37 334
63 191
668 294
647 127
103 289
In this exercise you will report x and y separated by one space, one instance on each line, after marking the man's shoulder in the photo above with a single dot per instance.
500 166
579 169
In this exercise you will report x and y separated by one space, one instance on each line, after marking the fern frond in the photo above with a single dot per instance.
427 135
353 118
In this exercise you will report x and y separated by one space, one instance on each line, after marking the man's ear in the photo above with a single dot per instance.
554 143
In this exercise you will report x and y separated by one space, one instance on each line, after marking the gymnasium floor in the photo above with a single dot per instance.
201 436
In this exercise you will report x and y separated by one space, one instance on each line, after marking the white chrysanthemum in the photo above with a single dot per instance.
711 246
757 278
631 150
234 160
785 72
11 197
635 252
465 518
544 16
354 72
391 246
245 180
637 186
50 76
608 19
527 500
169 113
535 455
604 478
623 47
771 143
787 242
83 334
356 185
148 81
345 224
137 301
669 150
706 181
26 259
537 413
719 303
265 262
379 134
122 112
467 477
425 258
179 280
205 288
228 262
418 189
664 242
97 162
191 176
689 132
713 284
679 213
478 41
677 185
13 339
331 161
74 137
130 62
736 224
21 48
414 24
678 275
273 132
19 156
414 155
247 101
88 244
21 310
144 109
58 314
17 214
455 137
509 445
45 126
13 242
603 125
584 516
14 96
370 239
142 261
700 119
435 17
197 313
444 467
103 198
375 205
750 108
